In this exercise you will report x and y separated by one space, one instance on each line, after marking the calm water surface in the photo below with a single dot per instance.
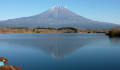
61 51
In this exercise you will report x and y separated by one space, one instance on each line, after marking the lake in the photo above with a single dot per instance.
61 51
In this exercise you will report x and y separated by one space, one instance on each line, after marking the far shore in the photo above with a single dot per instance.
48 30
114 32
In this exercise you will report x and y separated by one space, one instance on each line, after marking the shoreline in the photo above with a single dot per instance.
47 30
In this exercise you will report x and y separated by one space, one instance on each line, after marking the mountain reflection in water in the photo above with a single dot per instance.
61 51
57 46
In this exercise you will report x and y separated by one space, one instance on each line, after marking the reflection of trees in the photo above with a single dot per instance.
115 41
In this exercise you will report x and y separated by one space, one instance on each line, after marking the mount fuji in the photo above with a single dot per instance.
57 17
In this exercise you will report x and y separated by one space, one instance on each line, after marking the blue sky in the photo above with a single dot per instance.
100 10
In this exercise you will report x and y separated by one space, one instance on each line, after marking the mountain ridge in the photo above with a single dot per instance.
57 17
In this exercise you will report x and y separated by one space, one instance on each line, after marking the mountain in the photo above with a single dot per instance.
56 17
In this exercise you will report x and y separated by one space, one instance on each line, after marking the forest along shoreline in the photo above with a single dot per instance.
113 32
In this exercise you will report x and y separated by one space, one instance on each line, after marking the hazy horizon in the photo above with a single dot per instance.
97 10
